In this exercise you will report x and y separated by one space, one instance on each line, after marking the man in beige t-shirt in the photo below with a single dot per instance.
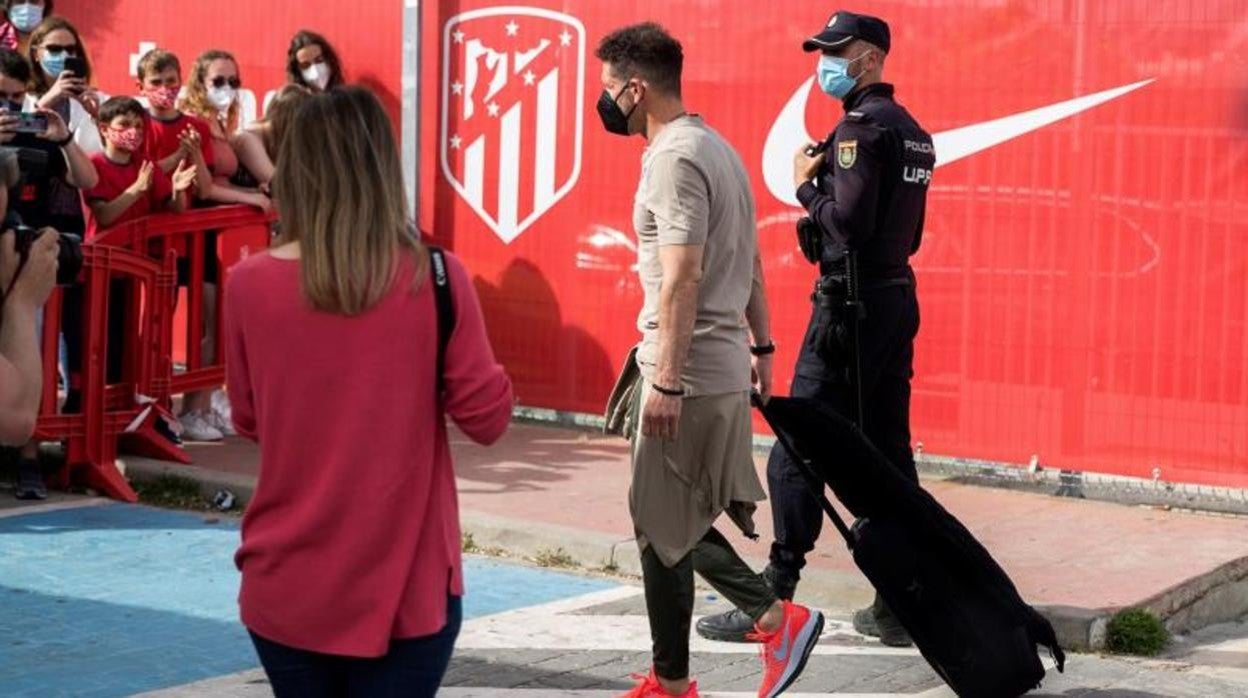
673 207
704 300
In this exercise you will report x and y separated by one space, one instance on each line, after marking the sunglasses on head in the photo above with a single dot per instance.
221 81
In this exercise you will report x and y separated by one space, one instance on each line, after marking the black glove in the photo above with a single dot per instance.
810 239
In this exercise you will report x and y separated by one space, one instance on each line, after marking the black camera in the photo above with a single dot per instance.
69 257
19 165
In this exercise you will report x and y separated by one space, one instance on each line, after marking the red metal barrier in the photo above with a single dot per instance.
110 411
160 233
126 414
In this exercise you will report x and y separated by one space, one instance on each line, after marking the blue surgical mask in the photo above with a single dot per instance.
834 77
53 63
26 16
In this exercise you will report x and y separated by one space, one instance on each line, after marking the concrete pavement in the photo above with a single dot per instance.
586 647
543 488
103 599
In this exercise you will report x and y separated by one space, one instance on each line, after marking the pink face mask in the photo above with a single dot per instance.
124 138
162 97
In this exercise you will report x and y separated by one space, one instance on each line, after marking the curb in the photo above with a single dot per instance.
138 469
1217 596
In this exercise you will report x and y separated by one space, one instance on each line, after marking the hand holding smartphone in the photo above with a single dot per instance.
28 122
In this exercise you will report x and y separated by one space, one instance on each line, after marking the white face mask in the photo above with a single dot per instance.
317 75
222 97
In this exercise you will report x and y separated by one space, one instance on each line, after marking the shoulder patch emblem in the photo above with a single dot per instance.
846 154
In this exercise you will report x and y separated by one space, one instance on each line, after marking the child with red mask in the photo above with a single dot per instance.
130 185
171 135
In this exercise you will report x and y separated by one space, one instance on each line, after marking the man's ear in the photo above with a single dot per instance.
639 88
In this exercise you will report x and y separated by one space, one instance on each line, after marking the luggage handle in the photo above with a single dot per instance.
812 479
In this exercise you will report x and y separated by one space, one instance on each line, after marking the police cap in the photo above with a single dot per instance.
844 27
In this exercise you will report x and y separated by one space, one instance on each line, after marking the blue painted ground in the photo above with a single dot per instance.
113 600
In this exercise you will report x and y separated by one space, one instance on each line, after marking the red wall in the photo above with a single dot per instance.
1082 284
369 42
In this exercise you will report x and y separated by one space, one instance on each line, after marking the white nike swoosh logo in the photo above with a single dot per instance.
789 133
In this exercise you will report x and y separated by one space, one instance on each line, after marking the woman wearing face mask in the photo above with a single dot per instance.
212 95
62 79
61 82
24 16
312 62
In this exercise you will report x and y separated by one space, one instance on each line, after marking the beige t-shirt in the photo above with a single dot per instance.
695 190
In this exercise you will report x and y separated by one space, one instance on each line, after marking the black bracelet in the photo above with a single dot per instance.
770 348
61 144
670 392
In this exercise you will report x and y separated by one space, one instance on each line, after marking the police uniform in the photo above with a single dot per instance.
868 197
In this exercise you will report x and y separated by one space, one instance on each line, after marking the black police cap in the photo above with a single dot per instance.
844 27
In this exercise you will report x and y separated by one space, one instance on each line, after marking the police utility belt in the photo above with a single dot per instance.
835 286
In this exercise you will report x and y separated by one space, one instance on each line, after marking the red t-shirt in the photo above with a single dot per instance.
115 178
160 138
352 536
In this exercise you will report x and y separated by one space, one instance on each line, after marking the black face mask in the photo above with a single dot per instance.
614 120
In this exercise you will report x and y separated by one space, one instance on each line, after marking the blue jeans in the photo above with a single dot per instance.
412 668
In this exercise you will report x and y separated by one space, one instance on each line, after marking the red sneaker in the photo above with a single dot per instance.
785 650
648 687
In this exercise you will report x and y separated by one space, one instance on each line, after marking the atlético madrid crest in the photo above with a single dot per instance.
513 86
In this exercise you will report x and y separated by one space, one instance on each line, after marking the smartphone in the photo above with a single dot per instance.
29 122
76 65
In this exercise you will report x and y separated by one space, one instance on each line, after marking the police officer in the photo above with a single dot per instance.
865 189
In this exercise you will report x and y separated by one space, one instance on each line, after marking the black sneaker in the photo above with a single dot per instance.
30 485
735 625
877 621
864 622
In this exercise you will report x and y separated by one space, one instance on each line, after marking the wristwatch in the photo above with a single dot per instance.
68 139
769 348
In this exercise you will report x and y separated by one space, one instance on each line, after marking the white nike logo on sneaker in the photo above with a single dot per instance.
789 133
782 652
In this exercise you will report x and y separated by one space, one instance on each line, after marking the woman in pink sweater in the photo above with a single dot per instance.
350 551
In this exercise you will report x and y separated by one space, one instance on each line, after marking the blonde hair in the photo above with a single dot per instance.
195 100
338 188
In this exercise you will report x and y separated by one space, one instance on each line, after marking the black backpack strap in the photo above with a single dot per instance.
445 306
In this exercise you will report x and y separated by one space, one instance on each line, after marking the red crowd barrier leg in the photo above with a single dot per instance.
104 478
146 440
100 466
195 305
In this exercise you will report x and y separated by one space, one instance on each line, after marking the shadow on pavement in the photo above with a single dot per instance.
56 645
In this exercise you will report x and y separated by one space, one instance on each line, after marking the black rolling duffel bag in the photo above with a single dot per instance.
959 606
